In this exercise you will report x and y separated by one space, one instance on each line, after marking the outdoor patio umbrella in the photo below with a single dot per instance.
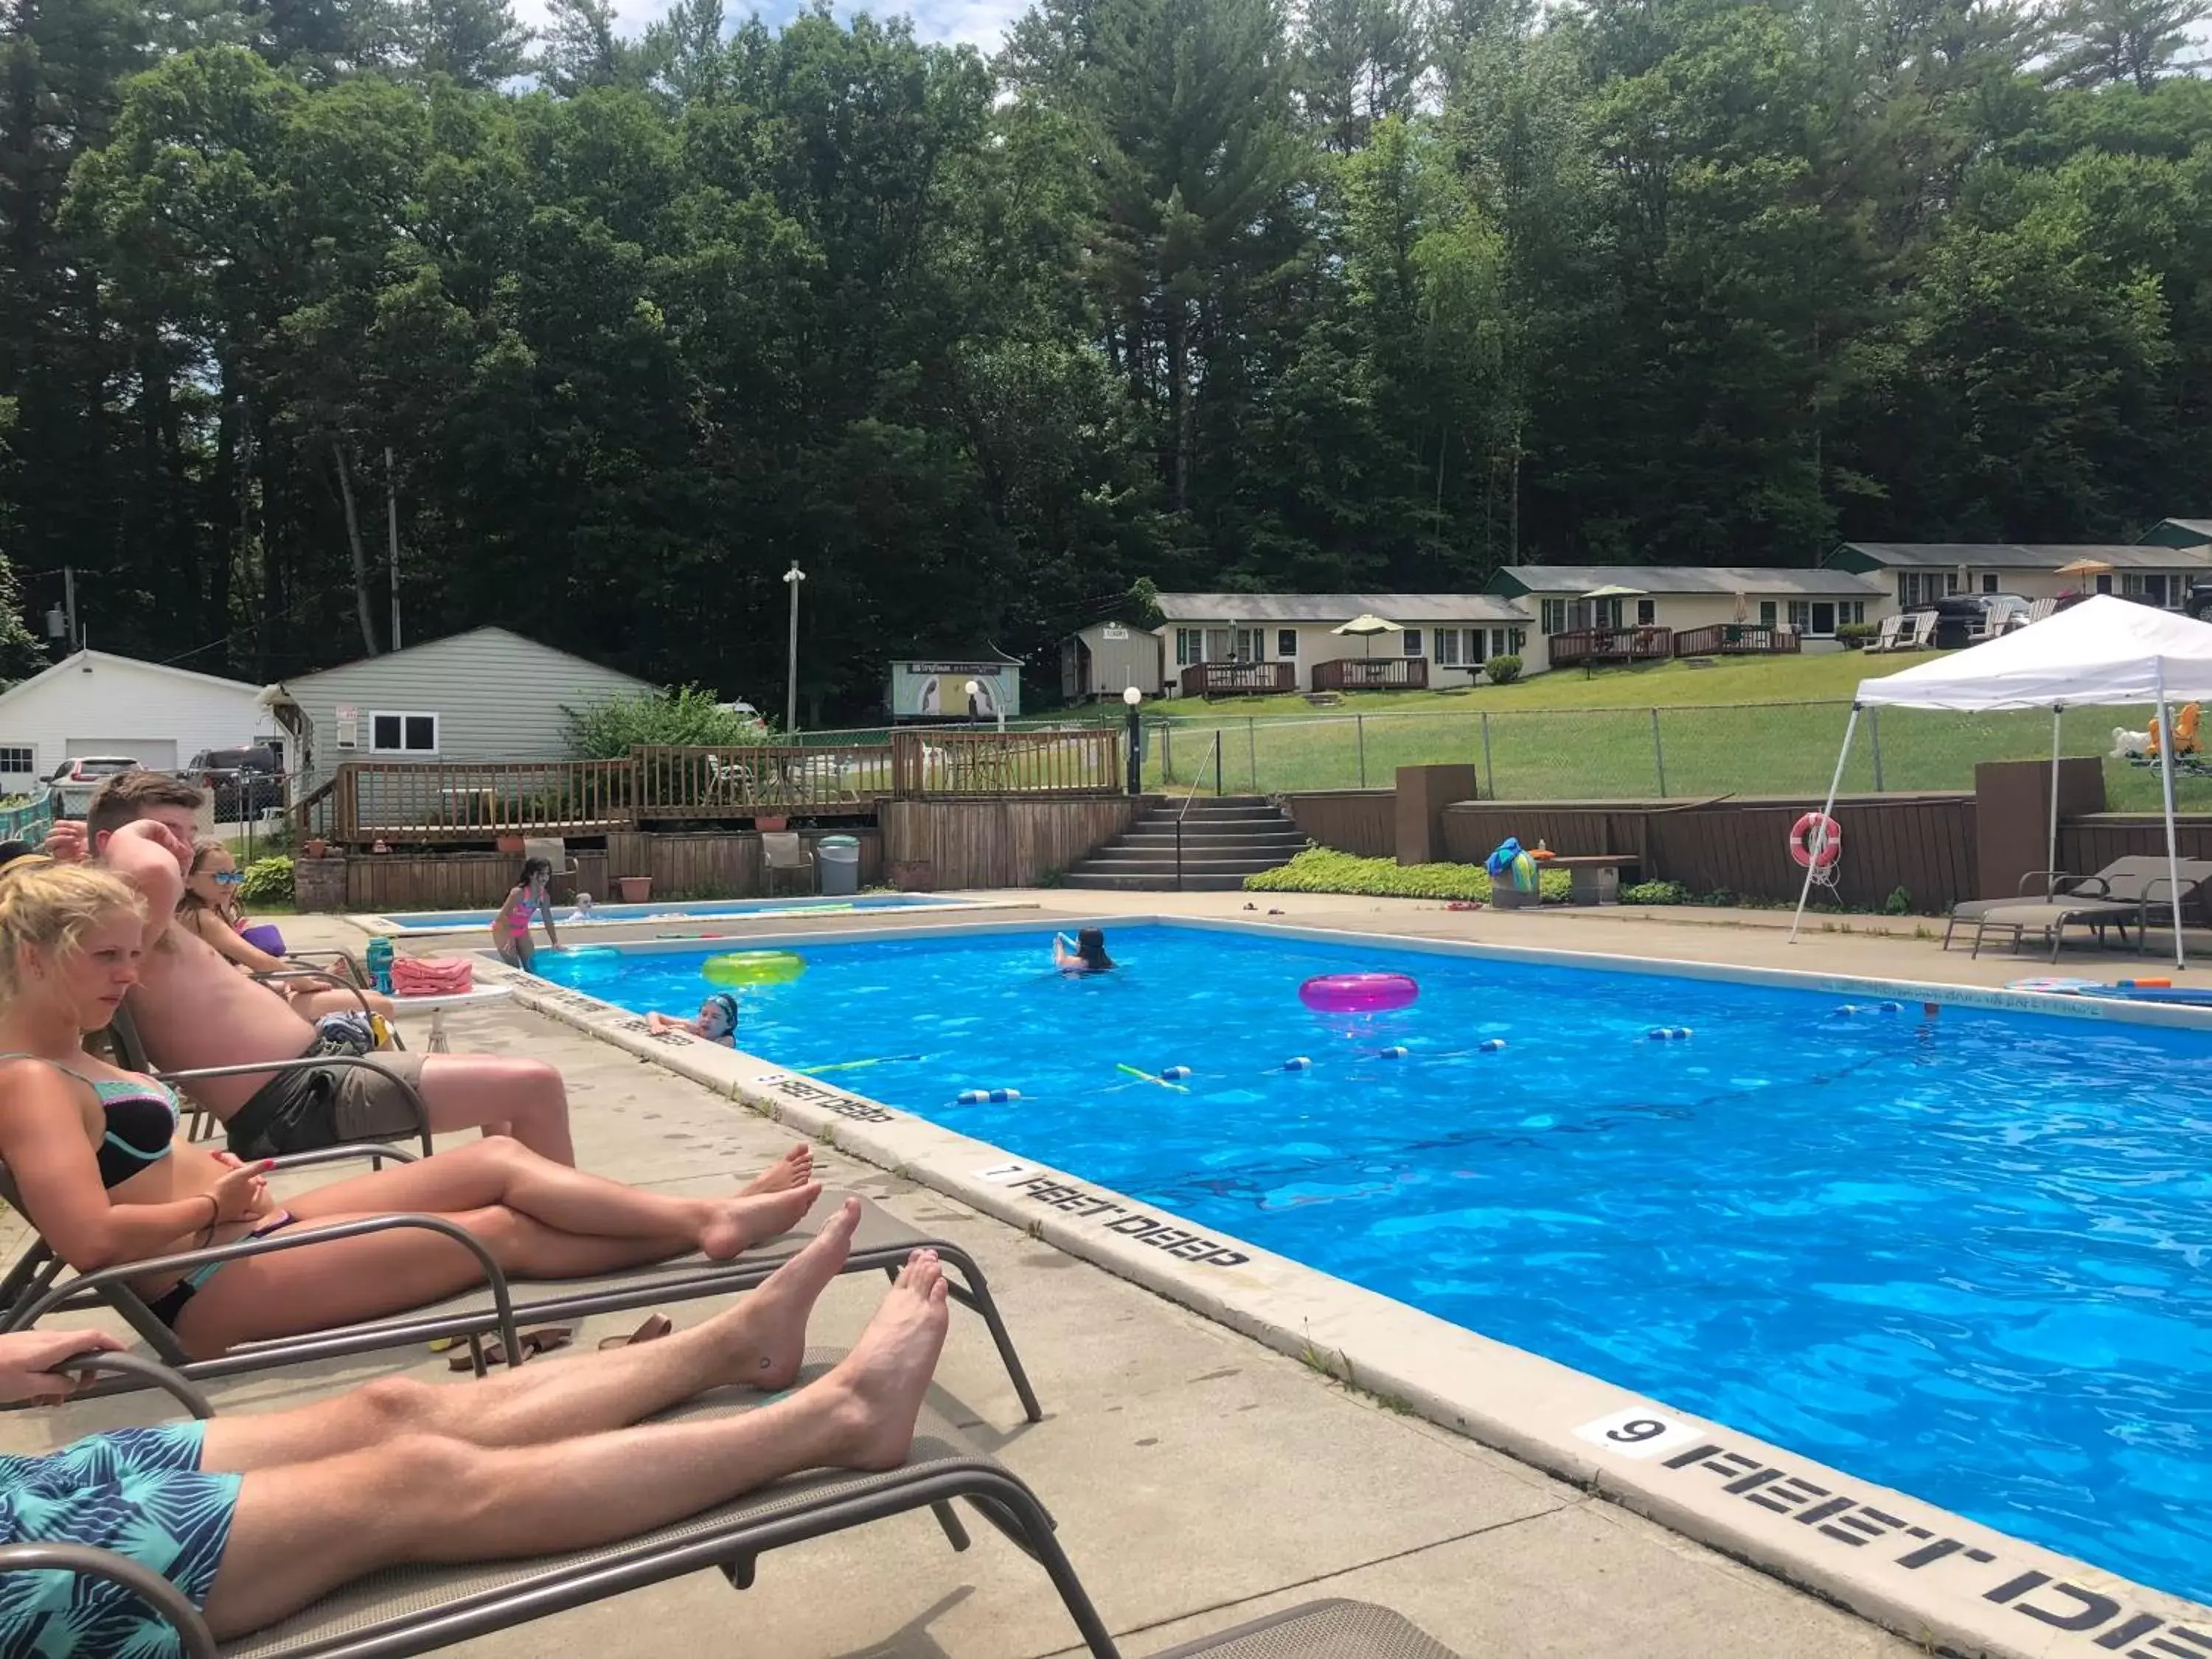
1367 625
2084 568
2105 650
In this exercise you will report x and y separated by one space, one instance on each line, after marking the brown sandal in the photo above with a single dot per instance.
655 1326
544 1339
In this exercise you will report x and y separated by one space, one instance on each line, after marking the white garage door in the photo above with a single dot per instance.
158 754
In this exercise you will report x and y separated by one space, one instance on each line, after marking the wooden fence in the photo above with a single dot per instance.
1923 844
932 845
1362 821
1372 674
402 804
381 882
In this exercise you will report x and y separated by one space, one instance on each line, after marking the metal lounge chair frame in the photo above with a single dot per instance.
132 1056
412 1610
33 1289
2092 891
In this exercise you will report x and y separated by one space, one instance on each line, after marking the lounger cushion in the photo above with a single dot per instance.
1320 1630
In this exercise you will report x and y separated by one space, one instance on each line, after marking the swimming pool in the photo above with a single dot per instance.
1968 1256
686 910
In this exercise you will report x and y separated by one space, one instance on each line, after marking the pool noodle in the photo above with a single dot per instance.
855 1065
1149 1077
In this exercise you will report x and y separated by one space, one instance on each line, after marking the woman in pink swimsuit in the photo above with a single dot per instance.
510 928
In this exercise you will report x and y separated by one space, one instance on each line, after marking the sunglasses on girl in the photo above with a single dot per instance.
229 877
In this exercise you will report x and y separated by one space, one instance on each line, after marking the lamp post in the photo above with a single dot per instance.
791 578
975 689
1131 697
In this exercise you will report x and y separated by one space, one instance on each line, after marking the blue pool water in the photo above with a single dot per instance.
1968 1257
686 909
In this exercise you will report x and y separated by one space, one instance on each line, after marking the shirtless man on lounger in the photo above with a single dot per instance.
193 1009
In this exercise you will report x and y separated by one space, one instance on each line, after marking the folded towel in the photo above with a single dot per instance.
432 976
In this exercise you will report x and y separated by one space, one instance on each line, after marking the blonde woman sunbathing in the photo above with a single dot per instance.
106 1180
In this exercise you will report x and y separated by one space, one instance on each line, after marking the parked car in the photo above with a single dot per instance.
74 779
241 782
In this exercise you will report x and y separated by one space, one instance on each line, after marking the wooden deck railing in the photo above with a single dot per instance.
1239 679
1372 674
1735 639
1610 645
733 782
406 801
1085 761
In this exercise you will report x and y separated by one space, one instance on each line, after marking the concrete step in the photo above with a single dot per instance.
1154 835
1135 864
1084 879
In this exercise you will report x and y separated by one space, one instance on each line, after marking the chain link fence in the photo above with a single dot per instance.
1641 754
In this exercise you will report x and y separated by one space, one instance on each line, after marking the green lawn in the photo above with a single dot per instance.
1763 726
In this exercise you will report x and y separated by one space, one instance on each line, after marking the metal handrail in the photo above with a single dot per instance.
1215 762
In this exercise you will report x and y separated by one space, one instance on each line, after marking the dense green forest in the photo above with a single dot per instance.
1375 293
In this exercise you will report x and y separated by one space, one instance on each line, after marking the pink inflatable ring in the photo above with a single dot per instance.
1358 993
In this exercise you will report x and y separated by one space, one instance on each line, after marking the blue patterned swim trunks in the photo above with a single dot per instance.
136 1492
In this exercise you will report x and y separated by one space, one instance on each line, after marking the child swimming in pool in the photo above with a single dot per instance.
1083 954
717 1021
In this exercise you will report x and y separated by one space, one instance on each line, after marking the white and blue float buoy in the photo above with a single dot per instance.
1669 1033
1298 1063
1851 1009
1174 1073
987 1097
1497 1045
1396 1051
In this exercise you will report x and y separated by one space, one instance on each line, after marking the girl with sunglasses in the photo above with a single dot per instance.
210 908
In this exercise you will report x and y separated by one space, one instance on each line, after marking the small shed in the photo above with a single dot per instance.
1104 660
487 695
936 687
97 703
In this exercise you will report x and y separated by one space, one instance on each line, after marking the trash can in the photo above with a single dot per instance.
839 859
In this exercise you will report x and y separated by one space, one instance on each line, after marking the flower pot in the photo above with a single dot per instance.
510 843
770 825
635 889
317 847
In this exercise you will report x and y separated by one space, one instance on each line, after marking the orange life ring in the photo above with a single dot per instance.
1816 841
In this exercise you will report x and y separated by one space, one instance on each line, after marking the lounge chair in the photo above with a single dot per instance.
2034 613
2124 885
35 1287
130 1053
782 850
1885 637
408 1610
1917 631
1334 1629
2136 888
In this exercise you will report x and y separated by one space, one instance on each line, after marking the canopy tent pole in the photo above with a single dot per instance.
2166 781
2051 858
1828 810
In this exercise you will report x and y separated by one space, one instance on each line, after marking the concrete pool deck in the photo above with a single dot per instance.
1200 1479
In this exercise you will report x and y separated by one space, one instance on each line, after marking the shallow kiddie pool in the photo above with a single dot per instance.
1967 1254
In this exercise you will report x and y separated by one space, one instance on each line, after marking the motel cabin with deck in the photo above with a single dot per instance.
1656 612
2155 571
1244 644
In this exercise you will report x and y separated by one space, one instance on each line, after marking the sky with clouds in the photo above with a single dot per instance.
981 23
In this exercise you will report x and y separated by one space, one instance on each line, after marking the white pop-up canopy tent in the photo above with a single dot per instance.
2103 651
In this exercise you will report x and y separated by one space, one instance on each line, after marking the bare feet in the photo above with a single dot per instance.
740 1222
767 1330
794 1169
886 1375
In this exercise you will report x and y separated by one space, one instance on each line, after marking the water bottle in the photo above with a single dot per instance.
379 964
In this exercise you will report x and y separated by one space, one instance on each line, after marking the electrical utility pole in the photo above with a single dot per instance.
392 530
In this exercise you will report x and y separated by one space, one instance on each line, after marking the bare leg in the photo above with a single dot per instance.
759 1341
302 1530
524 1098
794 1169
313 1004
501 1172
